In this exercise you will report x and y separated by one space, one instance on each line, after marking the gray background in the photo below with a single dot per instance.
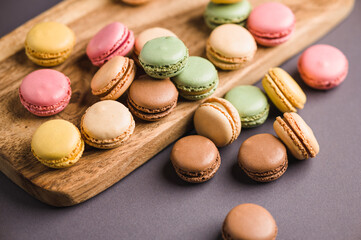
318 198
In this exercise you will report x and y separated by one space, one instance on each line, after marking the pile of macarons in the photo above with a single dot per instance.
154 68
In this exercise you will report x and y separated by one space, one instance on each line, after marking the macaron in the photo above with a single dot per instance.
115 39
323 66
218 120
249 221
263 157
49 43
251 104
296 135
283 90
107 124
230 47
135 2
148 35
195 158
198 80
152 99
45 92
57 144
218 14
113 78
164 57
271 23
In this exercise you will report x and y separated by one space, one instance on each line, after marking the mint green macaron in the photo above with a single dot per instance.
164 57
251 104
198 80
218 14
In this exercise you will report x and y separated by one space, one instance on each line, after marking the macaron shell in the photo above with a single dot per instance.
198 75
55 140
290 139
194 153
170 50
323 66
210 121
109 72
249 221
272 42
304 132
108 38
122 84
148 35
106 120
250 102
262 153
50 38
231 110
271 19
232 41
45 87
288 86
276 95
153 95
235 13
200 95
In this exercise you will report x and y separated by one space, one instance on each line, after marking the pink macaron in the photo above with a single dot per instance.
45 92
271 24
115 39
323 66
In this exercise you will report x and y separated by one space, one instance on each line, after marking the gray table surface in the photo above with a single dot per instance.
315 199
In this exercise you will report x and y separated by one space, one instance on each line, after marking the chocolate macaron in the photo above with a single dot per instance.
263 157
249 221
195 158
152 99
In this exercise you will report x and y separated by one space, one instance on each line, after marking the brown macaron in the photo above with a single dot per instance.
263 157
152 99
195 158
249 221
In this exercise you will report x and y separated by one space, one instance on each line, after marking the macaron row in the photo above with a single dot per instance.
270 23
263 157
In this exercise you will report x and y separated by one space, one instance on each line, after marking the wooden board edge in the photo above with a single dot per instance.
63 199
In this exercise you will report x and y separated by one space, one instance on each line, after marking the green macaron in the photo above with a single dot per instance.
218 14
198 80
251 104
164 57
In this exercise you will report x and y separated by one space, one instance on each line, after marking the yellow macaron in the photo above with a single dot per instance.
57 144
283 90
49 43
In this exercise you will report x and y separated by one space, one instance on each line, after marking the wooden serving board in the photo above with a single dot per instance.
99 169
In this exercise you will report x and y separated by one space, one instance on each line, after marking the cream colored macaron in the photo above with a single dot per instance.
218 120
107 124
230 46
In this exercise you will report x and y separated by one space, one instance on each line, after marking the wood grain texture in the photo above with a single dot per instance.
99 169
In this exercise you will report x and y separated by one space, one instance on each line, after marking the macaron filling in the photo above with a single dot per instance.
120 47
150 114
268 175
196 176
112 89
235 13
305 151
255 120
